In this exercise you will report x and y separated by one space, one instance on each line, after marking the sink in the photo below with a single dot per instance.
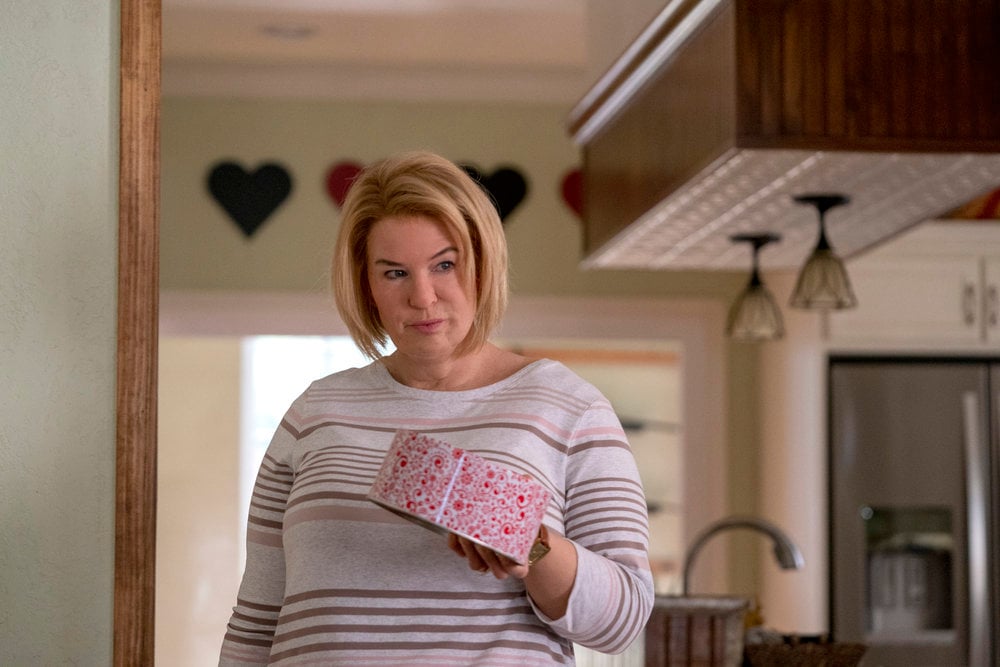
704 630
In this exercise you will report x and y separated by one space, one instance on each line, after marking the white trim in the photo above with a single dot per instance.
223 313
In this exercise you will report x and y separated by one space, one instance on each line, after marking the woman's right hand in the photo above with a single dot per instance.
482 559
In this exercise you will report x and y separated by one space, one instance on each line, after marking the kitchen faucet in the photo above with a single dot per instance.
788 555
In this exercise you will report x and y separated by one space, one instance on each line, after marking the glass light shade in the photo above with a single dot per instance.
823 283
755 315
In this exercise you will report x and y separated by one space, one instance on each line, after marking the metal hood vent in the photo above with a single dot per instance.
723 110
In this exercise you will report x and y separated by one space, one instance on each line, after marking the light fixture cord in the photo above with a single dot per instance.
822 243
755 280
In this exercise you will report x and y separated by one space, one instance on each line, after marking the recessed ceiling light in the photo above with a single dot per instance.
289 31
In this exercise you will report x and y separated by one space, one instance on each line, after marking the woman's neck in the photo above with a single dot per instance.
479 368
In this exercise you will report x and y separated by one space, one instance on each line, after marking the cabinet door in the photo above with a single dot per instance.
991 299
919 299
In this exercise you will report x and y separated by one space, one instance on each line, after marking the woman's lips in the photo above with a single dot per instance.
427 326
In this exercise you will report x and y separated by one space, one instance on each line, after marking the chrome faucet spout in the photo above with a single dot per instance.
787 554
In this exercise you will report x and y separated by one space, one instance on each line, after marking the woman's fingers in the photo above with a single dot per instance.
491 560
482 559
454 544
467 550
513 569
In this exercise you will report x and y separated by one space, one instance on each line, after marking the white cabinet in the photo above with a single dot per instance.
991 299
937 286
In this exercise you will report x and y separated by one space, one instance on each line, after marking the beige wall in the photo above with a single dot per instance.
199 521
58 222
203 249
793 459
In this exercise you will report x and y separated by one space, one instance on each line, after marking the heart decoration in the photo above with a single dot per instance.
249 197
572 191
506 187
339 178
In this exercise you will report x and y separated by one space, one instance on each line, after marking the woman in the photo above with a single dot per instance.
333 579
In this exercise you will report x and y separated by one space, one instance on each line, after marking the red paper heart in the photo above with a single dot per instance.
339 178
572 191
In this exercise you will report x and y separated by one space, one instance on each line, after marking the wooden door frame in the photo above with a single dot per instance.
138 305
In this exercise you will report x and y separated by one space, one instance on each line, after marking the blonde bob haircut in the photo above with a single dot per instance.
419 184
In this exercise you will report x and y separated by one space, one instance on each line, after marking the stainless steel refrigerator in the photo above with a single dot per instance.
914 454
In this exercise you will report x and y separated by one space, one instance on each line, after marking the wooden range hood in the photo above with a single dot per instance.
724 109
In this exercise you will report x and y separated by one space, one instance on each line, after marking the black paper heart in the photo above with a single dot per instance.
506 187
249 198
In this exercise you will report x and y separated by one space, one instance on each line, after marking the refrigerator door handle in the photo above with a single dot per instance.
977 489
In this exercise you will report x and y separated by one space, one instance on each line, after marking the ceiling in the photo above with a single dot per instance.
469 50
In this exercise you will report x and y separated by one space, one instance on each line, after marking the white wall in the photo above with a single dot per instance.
199 519
793 475
58 227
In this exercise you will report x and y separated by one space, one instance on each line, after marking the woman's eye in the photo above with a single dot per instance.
447 265
394 274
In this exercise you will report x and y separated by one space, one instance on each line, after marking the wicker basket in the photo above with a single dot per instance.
833 654
696 631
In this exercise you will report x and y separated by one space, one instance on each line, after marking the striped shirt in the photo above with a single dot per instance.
333 579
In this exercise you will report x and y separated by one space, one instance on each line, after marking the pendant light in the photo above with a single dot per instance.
755 316
823 282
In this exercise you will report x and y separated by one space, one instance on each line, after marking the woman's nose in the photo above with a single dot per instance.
422 293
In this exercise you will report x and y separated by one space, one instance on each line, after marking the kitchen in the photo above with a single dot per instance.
799 464
790 600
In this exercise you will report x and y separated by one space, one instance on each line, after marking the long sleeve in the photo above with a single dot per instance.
605 516
251 627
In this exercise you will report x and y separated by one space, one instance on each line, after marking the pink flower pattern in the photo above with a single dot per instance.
431 481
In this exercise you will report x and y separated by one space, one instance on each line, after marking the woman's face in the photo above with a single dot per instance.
415 279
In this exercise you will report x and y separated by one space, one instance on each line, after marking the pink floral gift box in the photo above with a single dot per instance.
448 489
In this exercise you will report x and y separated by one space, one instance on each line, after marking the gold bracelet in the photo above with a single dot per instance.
540 546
